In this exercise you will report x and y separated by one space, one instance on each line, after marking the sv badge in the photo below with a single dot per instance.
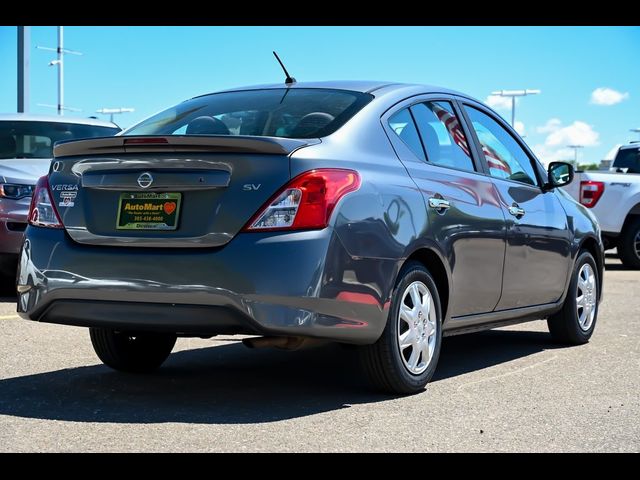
249 187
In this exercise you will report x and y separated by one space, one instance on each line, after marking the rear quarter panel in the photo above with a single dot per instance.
377 224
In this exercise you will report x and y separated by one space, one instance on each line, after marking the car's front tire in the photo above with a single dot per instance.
575 322
629 245
404 358
126 352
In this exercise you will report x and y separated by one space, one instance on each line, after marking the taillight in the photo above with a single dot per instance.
590 192
306 202
145 141
42 212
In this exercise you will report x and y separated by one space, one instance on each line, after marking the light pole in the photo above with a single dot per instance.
636 130
112 111
24 41
60 63
575 152
513 94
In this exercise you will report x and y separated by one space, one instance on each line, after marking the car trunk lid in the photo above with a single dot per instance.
166 191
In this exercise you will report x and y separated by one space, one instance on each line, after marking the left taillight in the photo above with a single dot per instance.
590 192
42 212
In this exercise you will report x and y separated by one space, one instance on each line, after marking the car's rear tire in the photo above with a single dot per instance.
126 352
629 245
407 369
575 322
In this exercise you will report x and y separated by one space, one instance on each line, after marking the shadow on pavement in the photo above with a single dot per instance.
610 266
230 384
7 288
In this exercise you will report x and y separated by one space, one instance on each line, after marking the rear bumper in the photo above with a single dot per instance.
158 317
301 283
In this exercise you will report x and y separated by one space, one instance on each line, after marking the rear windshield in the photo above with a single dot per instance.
282 112
628 158
26 139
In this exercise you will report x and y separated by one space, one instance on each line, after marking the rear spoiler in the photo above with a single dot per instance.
180 143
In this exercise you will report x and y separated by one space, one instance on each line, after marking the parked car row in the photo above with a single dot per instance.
383 215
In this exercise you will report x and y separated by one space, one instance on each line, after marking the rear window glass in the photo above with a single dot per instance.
280 112
628 158
402 123
35 139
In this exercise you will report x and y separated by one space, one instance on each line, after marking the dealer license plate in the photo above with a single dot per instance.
148 211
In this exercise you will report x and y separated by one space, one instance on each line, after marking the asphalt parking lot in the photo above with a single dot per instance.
511 389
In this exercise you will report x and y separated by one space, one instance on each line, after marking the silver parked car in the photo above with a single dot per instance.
26 149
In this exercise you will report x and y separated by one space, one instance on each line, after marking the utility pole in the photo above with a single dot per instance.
513 94
60 70
24 42
61 51
575 152
112 111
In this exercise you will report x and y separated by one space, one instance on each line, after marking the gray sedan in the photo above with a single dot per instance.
377 214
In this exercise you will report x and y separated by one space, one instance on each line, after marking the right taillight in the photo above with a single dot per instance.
306 202
590 192
42 212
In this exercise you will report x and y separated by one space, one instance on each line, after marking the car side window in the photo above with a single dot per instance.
442 135
504 156
402 123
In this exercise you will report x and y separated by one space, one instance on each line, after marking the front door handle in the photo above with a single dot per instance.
440 205
516 210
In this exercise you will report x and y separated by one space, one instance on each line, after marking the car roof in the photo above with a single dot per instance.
29 117
364 86
634 144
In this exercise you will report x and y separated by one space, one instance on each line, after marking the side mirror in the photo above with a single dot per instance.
559 174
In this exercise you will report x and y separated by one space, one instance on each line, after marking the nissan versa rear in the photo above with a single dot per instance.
376 214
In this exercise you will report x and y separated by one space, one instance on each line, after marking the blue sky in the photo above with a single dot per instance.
151 68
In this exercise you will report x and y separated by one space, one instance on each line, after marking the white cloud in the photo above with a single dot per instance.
559 136
497 102
547 155
607 96
519 127
552 125
578 133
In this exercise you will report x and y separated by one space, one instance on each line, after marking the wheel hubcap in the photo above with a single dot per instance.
417 328
586 297
636 244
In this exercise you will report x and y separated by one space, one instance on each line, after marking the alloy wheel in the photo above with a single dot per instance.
417 328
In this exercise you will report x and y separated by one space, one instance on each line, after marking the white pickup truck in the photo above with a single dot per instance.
614 198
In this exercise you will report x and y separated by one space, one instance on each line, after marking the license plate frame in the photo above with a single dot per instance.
149 211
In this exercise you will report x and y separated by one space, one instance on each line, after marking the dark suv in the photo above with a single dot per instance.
376 214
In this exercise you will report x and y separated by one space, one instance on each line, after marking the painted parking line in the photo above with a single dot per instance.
8 317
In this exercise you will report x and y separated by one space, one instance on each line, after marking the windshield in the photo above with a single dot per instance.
281 112
628 158
35 139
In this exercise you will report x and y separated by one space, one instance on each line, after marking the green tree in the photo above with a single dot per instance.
589 166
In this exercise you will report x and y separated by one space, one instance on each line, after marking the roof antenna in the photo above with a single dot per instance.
289 80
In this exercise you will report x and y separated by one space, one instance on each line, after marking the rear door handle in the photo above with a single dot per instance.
440 205
516 211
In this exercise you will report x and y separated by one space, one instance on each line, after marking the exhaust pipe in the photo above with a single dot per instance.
283 343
